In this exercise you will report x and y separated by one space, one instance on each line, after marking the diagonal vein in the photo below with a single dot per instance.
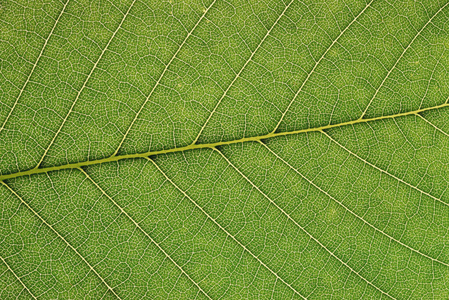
85 83
17 277
433 125
224 229
438 62
211 145
383 171
239 73
400 57
353 213
61 237
143 231
161 76
317 63
294 221
34 66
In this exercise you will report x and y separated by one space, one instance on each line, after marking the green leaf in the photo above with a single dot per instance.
214 149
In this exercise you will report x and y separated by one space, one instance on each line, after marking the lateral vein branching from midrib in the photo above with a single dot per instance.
113 158
224 229
399 59
347 208
297 224
34 65
86 80
237 76
161 77
317 63
143 231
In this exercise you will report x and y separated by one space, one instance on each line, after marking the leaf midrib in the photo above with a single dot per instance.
193 146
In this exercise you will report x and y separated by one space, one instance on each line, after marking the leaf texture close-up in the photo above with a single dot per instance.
224 149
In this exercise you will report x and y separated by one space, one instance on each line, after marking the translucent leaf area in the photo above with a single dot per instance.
224 149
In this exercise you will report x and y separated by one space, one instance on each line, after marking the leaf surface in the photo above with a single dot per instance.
224 149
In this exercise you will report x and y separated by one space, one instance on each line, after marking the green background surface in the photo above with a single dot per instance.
224 149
